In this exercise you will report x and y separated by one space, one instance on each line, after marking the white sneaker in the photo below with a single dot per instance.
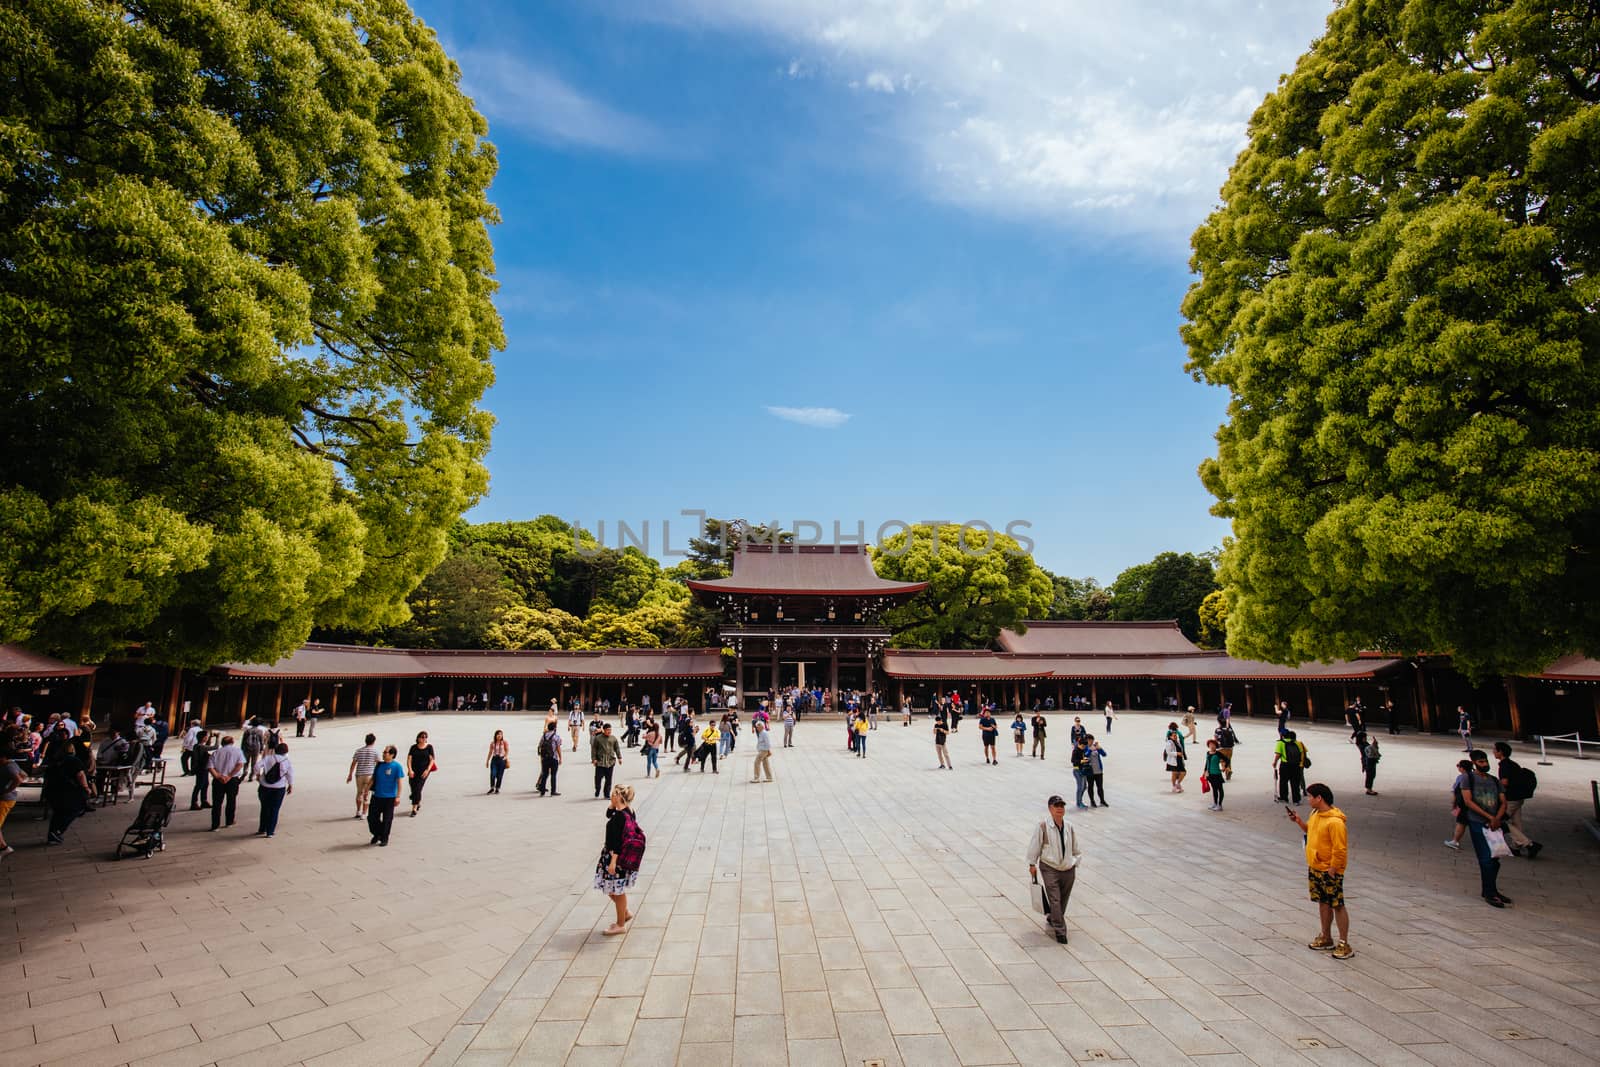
1453 844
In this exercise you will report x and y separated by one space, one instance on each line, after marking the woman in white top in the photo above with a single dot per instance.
275 782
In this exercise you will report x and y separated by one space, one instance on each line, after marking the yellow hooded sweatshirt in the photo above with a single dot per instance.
1326 846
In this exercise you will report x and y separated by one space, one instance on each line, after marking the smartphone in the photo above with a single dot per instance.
1289 808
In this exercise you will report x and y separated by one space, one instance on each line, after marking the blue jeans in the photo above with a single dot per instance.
861 745
650 764
1488 866
497 771
1083 782
271 804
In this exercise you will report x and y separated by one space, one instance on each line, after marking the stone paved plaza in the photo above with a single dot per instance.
853 912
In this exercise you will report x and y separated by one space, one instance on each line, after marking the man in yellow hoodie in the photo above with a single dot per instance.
1327 851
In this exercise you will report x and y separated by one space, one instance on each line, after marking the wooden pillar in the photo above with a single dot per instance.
1595 693
1516 712
1344 695
277 704
397 684
1276 698
738 675
205 702
1424 706
361 683
175 701
244 703
1249 706
1061 694
524 704
772 682
333 702
1222 696
450 699
88 697
1094 693
1127 694
833 677
1311 705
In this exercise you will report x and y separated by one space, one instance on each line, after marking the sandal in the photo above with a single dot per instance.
613 930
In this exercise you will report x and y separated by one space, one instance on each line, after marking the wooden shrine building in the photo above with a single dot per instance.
806 615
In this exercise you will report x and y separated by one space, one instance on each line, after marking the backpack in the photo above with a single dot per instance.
1524 782
631 854
274 773
252 742
1292 756
547 748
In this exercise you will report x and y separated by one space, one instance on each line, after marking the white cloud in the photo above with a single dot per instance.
821 418
1124 116
513 92
880 82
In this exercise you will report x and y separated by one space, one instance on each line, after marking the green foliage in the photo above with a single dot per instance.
546 628
1399 293
1078 598
975 590
245 300
457 605
710 555
1171 586
1213 621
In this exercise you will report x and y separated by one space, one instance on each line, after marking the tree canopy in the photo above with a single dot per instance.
245 295
1399 291
1171 586
979 584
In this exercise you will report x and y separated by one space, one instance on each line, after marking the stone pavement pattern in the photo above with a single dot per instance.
853 911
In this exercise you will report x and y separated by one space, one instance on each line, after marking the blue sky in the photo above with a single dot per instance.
962 226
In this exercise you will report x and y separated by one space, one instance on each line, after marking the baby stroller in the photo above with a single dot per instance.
144 836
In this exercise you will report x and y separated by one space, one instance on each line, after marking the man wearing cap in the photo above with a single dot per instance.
1053 862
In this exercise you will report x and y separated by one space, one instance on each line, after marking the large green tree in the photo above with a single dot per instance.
1171 586
979 583
1399 291
245 300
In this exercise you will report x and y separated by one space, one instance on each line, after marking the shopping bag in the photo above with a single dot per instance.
1205 784
1496 840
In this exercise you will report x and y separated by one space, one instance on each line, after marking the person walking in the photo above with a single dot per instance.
1189 724
1053 856
1282 711
363 763
190 732
763 760
1078 732
709 737
1370 755
905 710
1039 726
1172 755
313 713
200 761
1288 763
11 777
1458 811
1215 762
941 739
1464 727
253 743
788 723
387 774
1484 801
989 733
574 722
618 869
1327 854
549 759
605 753
1111 713
650 747
1019 732
1394 723
227 770
1519 783
300 719
273 786
1080 769
1226 739
688 735
1094 761
498 759
420 765
66 789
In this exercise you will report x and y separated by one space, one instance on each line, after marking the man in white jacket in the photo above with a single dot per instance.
1053 858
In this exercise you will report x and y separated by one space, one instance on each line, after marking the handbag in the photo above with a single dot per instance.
1205 783
1496 840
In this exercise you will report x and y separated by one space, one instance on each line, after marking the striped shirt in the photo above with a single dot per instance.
366 759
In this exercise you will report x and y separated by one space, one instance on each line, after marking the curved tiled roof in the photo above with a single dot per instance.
1075 638
358 661
20 663
806 570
